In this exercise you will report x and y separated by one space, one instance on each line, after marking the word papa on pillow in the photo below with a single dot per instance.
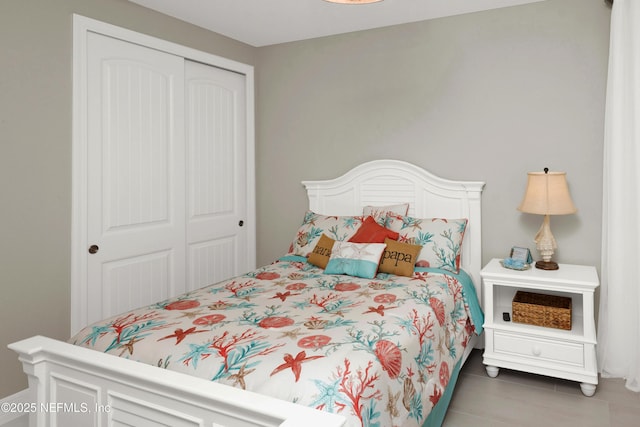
399 258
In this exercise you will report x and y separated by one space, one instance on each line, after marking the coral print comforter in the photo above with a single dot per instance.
378 351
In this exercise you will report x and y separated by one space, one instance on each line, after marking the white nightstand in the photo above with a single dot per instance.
568 354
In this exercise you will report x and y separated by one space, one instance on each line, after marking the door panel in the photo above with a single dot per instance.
216 174
136 281
135 199
211 259
136 144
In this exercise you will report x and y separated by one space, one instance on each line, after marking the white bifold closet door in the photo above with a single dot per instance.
166 175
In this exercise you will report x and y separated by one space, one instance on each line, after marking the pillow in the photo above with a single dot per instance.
379 213
399 258
321 253
440 238
355 259
314 225
371 232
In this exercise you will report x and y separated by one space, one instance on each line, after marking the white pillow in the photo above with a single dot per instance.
355 259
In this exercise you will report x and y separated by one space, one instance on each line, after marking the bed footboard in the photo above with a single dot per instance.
70 385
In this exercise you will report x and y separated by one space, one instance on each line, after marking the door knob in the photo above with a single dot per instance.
93 249
241 223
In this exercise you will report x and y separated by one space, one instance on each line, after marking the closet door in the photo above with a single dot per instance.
216 174
163 170
135 176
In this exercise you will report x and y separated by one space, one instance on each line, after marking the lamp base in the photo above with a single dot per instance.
547 265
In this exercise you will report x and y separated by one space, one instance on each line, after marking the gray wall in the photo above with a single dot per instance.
486 96
35 156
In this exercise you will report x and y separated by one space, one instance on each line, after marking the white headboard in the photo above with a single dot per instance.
387 182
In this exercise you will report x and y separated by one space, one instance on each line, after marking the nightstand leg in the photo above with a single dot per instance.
588 389
492 371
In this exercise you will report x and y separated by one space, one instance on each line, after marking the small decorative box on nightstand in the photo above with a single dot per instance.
568 354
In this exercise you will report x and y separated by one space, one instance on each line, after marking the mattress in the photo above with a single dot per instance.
380 351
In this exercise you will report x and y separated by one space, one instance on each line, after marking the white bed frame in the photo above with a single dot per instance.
71 385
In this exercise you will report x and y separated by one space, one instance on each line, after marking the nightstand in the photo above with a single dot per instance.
568 354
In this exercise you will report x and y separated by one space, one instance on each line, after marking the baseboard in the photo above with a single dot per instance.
10 402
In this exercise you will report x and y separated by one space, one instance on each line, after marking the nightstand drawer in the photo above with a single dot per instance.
539 349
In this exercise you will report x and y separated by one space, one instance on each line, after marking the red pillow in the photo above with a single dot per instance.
372 232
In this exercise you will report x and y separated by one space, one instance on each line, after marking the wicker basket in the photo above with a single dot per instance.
542 310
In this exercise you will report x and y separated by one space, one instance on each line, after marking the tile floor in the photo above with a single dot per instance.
516 399
519 399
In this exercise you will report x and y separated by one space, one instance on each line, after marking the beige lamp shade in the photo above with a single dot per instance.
547 193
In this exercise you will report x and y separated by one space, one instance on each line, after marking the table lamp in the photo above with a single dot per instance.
547 194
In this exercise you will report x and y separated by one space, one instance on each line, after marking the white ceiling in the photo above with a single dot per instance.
267 22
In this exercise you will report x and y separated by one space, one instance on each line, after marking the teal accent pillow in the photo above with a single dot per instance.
355 259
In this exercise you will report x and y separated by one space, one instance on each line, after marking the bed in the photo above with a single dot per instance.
366 321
